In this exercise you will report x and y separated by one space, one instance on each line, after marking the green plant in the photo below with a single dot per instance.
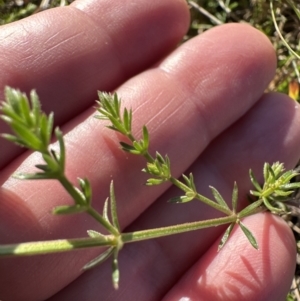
33 129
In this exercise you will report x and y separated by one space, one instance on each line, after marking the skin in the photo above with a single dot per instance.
204 105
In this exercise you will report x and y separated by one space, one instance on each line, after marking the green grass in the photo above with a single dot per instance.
258 14
255 12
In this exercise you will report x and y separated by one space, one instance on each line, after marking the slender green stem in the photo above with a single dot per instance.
54 246
131 137
69 187
98 217
215 205
198 196
186 227
148 157
171 230
179 184
76 195
64 245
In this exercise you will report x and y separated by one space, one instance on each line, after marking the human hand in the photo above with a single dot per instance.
203 105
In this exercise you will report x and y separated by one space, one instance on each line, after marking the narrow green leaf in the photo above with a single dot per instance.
166 171
50 122
176 199
234 197
283 193
130 120
266 172
8 115
290 186
101 117
104 114
117 125
43 167
249 235
272 208
250 208
225 237
117 104
218 197
112 127
278 168
55 157
181 199
138 147
25 134
100 95
51 162
69 209
95 234
288 175
203 198
145 137
160 158
43 133
126 147
25 111
129 148
12 97
254 181
258 194
158 167
86 189
14 139
105 210
109 105
99 259
126 120
36 107
193 186
187 180
81 183
36 176
113 207
152 181
272 175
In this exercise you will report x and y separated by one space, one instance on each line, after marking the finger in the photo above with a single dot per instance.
88 46
239 272
183 93
152 267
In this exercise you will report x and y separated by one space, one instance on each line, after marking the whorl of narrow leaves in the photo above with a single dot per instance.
160 168
138 147
31 127
276 187
189 189
109 107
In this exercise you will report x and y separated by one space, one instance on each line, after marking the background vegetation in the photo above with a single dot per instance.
208 13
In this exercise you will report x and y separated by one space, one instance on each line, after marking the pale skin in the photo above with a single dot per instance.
204 106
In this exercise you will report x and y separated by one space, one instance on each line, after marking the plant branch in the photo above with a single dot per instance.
65 245
55 246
